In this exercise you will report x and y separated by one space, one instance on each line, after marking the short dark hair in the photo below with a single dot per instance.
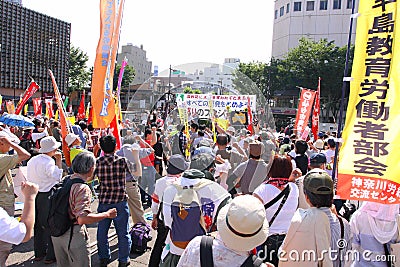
55 123
222 140
200 133
83 125
194 125
108 143
316 165
254 157
301 146
147 132
319 201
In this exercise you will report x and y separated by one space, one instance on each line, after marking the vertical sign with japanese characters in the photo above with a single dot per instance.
303 110
369 159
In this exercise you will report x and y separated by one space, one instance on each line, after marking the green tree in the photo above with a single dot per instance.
310 60
300 67
78 73
189 90
129 76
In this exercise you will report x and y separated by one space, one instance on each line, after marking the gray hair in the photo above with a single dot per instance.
83 162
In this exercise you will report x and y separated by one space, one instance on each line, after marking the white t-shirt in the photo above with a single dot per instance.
43 171
330 155
11 231
267 192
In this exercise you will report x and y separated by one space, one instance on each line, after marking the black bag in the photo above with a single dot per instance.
206 256
58 218
140 235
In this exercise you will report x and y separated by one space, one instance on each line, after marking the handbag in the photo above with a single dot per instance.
395 248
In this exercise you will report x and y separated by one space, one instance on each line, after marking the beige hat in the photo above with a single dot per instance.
70 138
256 148
242 223
48 144
10 136
319 144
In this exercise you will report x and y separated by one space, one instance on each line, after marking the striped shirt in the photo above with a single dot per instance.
111 170
338 260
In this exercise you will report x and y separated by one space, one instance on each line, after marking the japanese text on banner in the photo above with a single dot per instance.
368 161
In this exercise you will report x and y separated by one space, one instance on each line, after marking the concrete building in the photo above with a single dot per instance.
219 75
137 58
30 44
315 19
18 2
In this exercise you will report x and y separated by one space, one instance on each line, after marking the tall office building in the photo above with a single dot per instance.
30 44
315 19
18 2
137 58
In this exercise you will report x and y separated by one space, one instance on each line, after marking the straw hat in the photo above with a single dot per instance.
48 144
242 223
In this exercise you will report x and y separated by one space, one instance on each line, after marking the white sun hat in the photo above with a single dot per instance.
48 144
70 138
242 223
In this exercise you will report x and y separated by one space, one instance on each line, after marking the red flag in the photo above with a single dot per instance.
49 108
37 106
114 127
250 116
89 119
81 110
63 119
316 111
304 110
33 87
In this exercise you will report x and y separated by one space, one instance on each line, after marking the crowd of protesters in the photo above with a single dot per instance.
229 197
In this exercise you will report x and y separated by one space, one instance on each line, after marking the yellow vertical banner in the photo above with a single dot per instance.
369 158
101 92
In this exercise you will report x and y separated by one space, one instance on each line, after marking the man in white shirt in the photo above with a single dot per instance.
43 171
7 162
176 166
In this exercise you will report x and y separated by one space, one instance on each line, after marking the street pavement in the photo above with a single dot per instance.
22 255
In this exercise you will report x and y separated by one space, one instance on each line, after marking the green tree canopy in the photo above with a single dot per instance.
129 76
78 73
300 67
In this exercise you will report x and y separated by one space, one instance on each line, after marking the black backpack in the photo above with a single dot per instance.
176 144
206 256
58 218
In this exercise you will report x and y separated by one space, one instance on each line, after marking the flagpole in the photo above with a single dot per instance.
346 83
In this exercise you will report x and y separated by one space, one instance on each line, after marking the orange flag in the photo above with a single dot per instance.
101 92
65 129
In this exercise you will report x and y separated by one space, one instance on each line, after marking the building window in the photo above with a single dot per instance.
310 6
349 4
337 4
287 7
281 11
323 5
276 14
297 6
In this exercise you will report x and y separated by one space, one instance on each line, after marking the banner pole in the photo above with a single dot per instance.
346 83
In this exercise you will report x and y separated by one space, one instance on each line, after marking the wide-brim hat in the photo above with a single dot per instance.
48 144
70 138
242 223
9 135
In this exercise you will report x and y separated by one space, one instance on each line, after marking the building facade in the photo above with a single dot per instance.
30 44
18 2
315 19
137 59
